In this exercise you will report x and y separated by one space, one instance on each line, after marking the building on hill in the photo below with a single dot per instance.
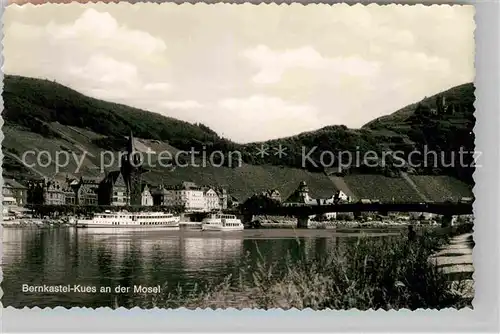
339 197
273 194
15 190
301 197
146 196
113 190
232 202
131 169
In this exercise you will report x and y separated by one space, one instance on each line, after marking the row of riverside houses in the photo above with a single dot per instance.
112 191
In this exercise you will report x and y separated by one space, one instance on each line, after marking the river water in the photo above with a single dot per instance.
115 258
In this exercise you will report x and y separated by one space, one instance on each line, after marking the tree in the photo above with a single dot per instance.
259 202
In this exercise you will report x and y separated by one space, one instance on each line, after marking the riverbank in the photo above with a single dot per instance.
335 224
35 223
454 260
388 273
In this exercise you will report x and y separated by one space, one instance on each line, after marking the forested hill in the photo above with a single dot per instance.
36 103
443 122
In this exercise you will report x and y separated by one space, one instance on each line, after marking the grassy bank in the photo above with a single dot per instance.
387 273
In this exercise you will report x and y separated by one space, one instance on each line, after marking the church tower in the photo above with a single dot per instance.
131 169
303 191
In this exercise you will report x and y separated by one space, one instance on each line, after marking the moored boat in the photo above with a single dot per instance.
131 219
221 222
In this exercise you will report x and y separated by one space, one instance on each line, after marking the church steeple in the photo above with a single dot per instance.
131 170
131 143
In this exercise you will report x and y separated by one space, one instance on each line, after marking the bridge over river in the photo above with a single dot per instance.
303 212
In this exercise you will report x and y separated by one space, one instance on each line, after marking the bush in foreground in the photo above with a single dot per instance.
387 273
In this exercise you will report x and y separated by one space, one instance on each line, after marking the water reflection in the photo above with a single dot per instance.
206 253
98 257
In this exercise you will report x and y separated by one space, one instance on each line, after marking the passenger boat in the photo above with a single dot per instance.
221 222
131 219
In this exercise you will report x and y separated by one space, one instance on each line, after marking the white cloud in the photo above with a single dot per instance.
419 61
95 55
259 105
182 105
101 29
273 64
263 117
106 70
158 87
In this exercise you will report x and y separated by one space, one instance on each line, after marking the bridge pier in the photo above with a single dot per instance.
446 220
303 222
247 218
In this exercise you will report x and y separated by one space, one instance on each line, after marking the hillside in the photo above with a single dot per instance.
442 123
463 94
35 103
41 115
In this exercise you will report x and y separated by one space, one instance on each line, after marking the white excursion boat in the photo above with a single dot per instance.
131 219
221 222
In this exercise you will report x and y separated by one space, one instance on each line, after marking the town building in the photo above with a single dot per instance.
8 196
122 187
69 194
82 191
190 197
187 195
14 192
54 192
113 190
223 198
36 192
160 196
87 193
300 196
212 200
131 170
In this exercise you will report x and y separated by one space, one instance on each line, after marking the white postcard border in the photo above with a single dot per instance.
484 317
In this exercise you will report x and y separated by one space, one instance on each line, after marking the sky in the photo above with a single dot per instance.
251 73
